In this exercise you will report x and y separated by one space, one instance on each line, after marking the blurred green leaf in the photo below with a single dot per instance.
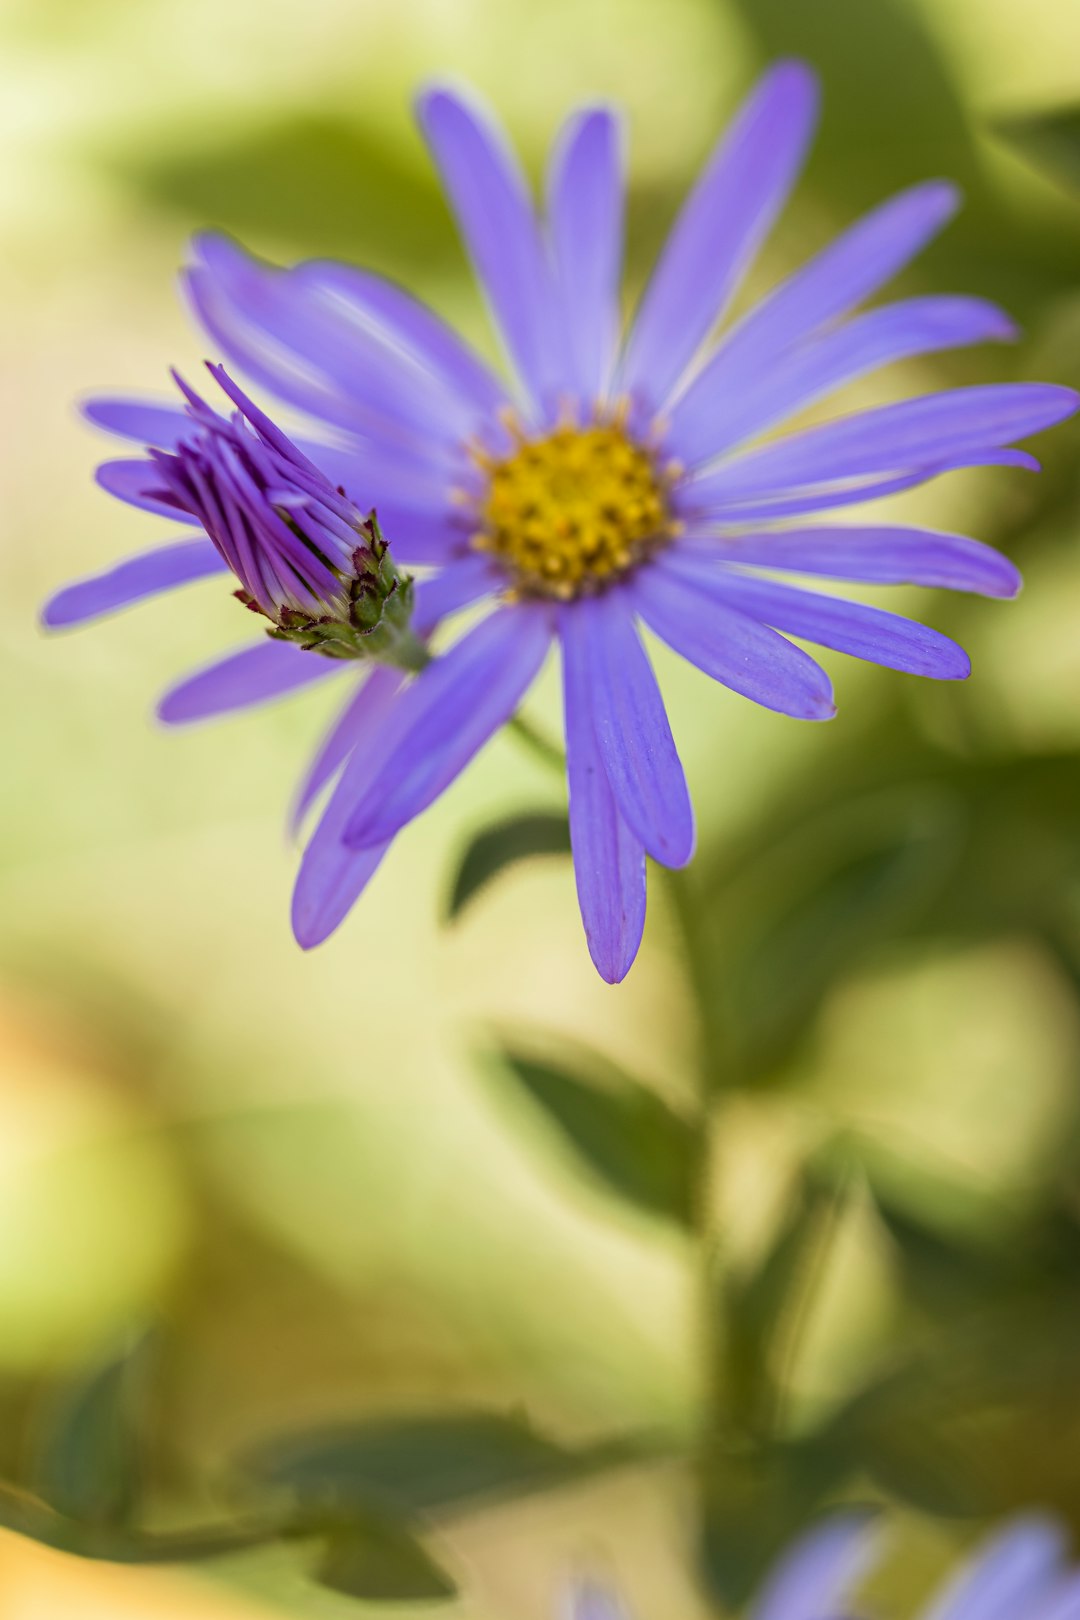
752 1504
518 838
314 185
88 1465
26 1515
622 1132
1049 140
382 1563
763 1310
845 881
423 1464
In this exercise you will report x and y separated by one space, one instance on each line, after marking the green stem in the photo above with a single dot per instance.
711 1067
538 743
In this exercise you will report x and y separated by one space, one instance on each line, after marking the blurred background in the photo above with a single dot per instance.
437 1169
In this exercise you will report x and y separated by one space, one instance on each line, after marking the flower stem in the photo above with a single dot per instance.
538 743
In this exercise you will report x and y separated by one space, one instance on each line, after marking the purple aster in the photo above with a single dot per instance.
1018 1573
614 483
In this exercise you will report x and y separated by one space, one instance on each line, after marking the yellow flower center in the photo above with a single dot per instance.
573 511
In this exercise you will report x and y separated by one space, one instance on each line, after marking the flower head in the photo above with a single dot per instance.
305 557
618 482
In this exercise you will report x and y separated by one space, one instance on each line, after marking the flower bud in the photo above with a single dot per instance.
305 556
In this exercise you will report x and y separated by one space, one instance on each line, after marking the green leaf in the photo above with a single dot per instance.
88 1465
763 1312
277 183
518 838
845 881
910 1433
423 1464
1049 141
622 1133
752 1505
382 1563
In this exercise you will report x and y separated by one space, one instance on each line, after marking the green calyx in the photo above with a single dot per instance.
373 620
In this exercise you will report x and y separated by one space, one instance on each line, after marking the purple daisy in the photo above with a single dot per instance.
614 482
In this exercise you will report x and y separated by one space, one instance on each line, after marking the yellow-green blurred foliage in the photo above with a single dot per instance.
311 1173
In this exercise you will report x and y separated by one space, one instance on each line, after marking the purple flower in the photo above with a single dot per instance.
305 556
1018 1573
614 483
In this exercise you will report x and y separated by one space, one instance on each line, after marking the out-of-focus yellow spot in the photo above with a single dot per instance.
38 1584
91 1213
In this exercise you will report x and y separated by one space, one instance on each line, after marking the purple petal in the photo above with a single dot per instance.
146 421
849 270
588 1600
830 496
419 518
130 581
631 727
847 627
331 877
889 439
498 224
129 481
474 389
585 211
454 587
1063 1603
820 1573
609 862
1007 1575
343 736
447 715
874 556
711 417
722 224
736 650
258 674
293 334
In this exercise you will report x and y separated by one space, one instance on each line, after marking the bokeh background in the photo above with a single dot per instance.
317 1181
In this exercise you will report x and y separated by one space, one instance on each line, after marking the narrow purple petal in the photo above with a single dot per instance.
588 1600
585 212
631 726
1007 1575
457 586
498 224
419 517
889 439
447 715
258 674
711 417
294 335
131 580
129 481
873 556
854 493
369 299
609 862
847 627
821 1572
1063 1603
350 728
332 877
145 421
852 268
737 650
722 224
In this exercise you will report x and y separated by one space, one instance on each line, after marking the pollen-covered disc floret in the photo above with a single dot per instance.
571 512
